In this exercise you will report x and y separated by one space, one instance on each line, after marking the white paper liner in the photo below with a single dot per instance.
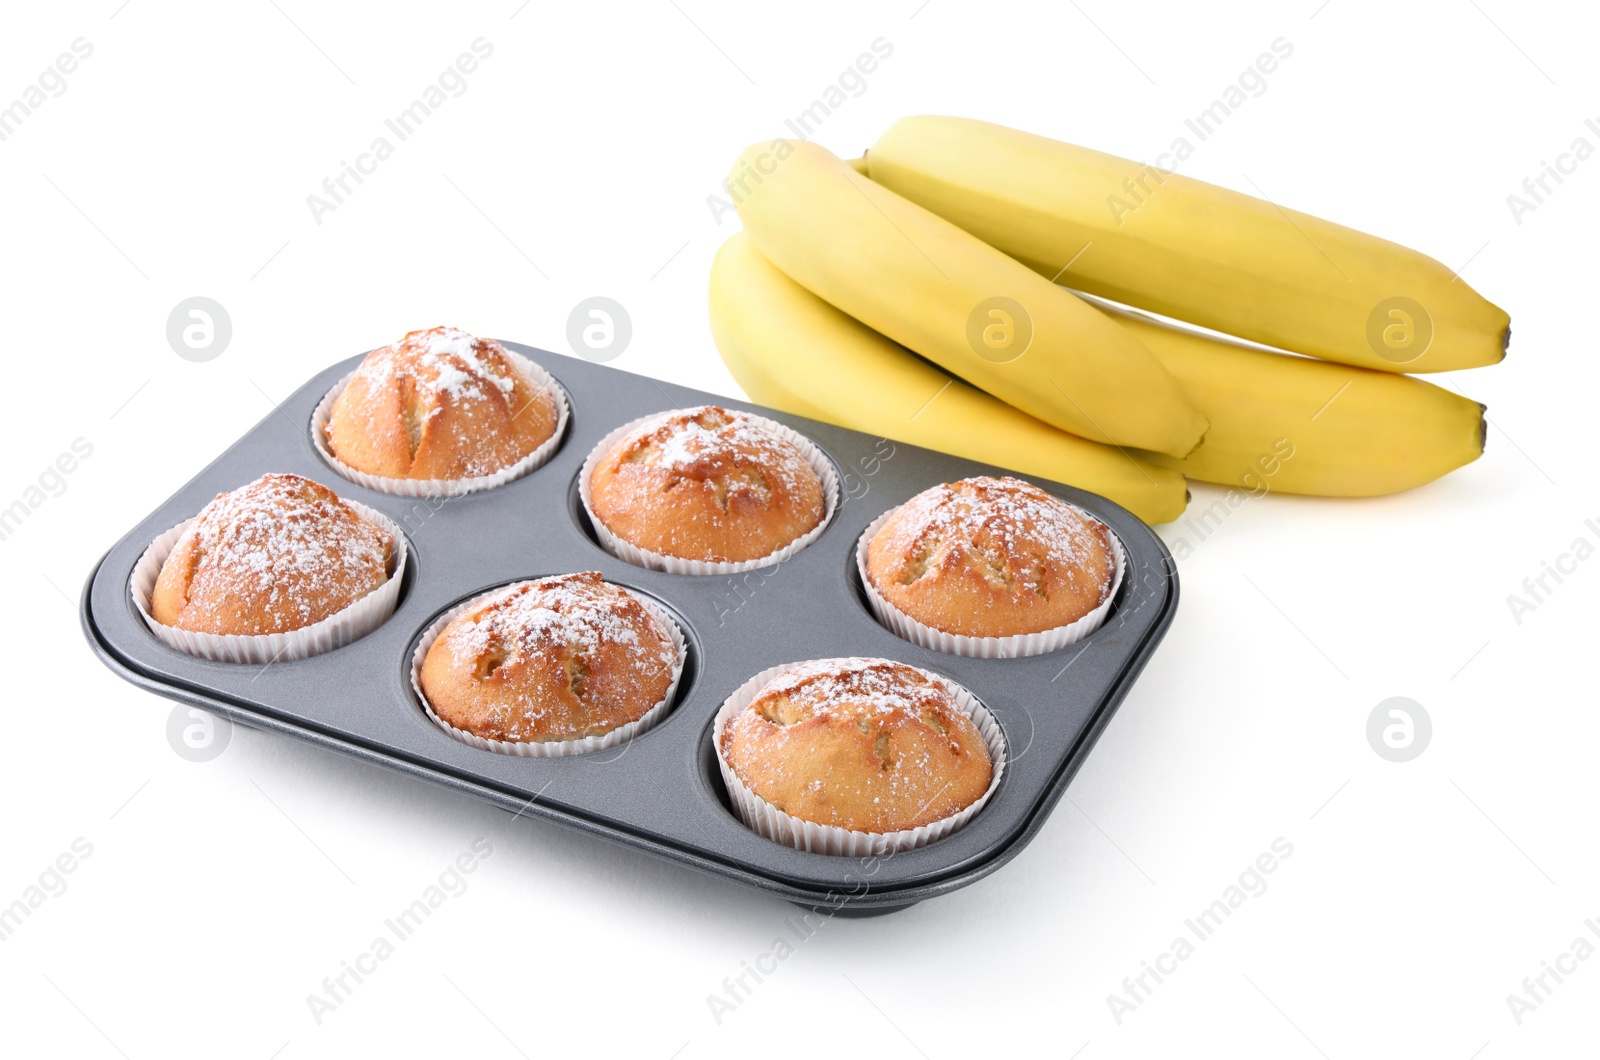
642 557
335 631
764 818
446 487
1016 646
552 748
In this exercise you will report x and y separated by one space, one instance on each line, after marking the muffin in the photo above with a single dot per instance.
867 745
706 484
556 659
991 557
439 404
279 554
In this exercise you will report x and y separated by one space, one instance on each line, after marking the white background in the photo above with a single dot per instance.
579 162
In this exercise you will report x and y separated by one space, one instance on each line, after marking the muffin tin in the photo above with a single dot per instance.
660 792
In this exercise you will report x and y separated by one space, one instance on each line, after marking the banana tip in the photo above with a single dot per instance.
1483 427
1505 342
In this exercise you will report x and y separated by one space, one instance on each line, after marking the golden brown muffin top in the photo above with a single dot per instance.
555 659
439 404
278 554
991 557
707 483
865 744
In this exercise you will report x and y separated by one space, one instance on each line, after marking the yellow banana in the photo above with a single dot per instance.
1298 425
940 291
1147 237
791 350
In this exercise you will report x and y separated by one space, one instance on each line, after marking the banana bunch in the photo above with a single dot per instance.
909 293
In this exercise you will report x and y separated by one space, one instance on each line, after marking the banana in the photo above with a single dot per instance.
1145 236
791 350
940 291
1299 425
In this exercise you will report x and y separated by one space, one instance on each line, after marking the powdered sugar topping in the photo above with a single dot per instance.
458 365
1016 526
579 611
858 687
286 544
709 440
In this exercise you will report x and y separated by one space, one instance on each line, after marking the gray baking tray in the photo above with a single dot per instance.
661 792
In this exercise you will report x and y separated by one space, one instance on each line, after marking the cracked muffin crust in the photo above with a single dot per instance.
439 404
554 659
991 557
279 554
707 484
869 745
